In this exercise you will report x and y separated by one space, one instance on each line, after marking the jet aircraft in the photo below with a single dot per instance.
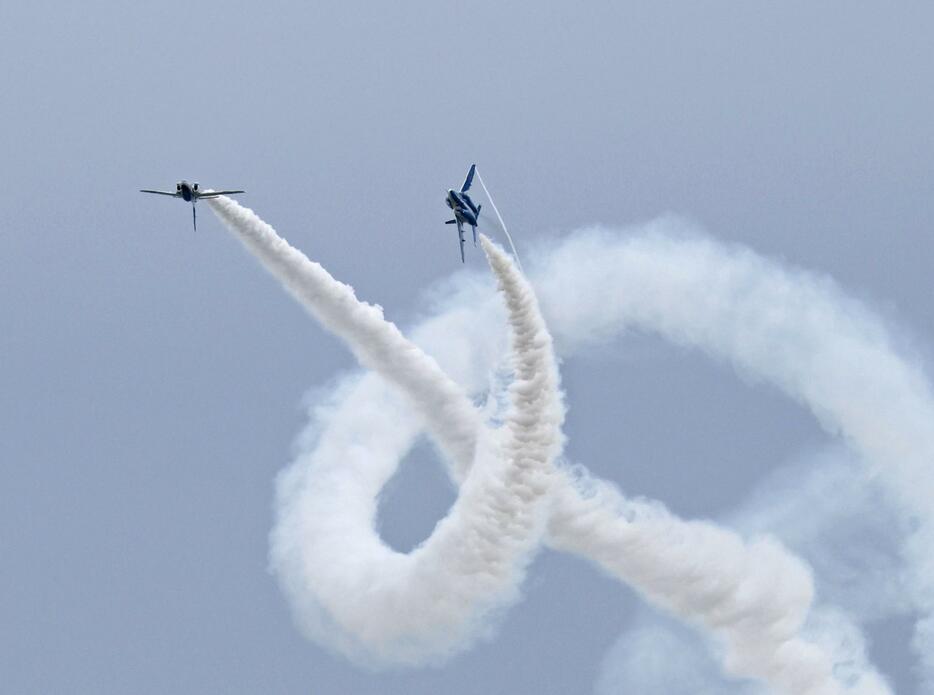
465 212
189 192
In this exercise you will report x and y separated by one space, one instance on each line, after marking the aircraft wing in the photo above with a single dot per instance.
460 234
469 180
174 194
214 194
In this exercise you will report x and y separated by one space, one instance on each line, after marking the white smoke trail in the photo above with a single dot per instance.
377 344
709 577
537 412
354 591
818 504
791 328
754 597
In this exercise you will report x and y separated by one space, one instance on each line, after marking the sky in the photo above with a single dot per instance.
153 380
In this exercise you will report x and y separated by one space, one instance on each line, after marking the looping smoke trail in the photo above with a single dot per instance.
363 597
793 329
754 597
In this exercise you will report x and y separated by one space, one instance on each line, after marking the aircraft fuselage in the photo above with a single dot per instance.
188 191
464 210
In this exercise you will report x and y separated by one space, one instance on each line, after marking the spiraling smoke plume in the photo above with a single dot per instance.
791 328
361 598
365 599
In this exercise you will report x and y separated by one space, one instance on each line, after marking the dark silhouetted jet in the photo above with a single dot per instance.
189 192
465 212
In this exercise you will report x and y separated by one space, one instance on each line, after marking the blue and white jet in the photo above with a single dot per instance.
189 192
465 212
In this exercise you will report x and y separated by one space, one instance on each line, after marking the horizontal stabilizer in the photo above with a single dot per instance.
451 222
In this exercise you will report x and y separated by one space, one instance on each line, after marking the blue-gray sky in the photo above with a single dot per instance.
152 379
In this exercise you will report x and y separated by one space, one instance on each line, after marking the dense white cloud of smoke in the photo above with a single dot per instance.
356 593
776 324
825 508
791 328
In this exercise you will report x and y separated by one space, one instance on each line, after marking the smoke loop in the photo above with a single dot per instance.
355 595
